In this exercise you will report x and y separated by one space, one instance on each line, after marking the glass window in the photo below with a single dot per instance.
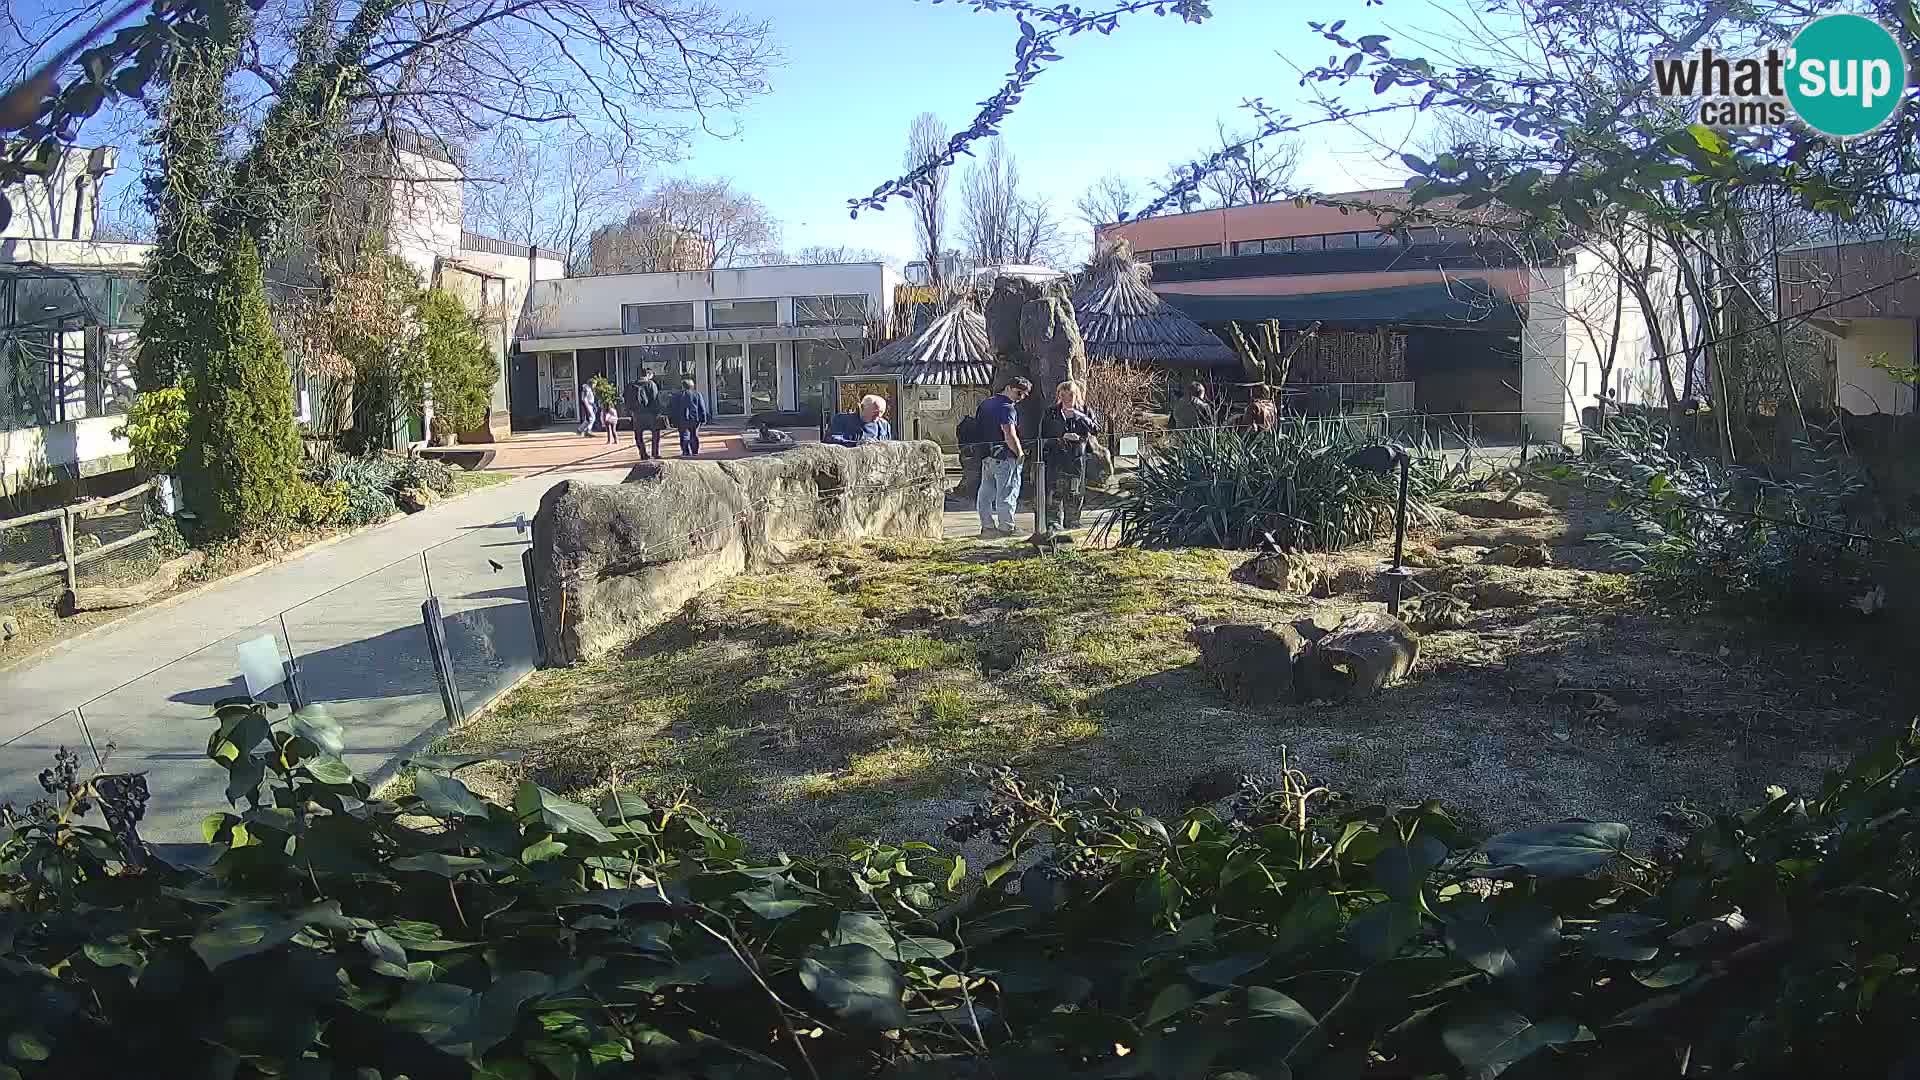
815 363
1425 234
655 318
1165 255
1188 254
1279 247
1374 239
1309 243
722 314
1342 241
730 380
829 310
1211 251
1247 247
670 364
763 377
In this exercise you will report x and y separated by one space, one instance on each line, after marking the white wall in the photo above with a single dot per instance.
591 305
44 205
425 213
1859 387
76 253
32 457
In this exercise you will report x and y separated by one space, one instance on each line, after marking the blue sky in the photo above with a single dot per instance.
1129 103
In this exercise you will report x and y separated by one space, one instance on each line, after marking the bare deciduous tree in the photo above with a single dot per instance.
927 142
1260 173
551 193
1108 200
688 225
1001 225
824 254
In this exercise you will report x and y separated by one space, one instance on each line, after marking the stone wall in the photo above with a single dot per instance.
612 561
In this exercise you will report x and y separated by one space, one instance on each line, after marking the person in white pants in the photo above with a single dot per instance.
589 409
998 421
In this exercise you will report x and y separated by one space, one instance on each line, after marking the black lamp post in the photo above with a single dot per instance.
1382 459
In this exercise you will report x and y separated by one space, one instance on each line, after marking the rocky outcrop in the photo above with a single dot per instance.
1519 555
612 561
1519 506
1362 656
1031 328
1252 665
1286 571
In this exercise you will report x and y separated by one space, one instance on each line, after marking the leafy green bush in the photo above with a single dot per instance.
156 430
460 366
243 451
1709 535
1215 487
368 484
324 932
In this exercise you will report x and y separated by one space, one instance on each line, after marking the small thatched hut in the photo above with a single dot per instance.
944 369
1123 320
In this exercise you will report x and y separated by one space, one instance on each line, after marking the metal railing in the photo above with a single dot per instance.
398 655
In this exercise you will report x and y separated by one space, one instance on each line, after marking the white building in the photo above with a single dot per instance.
1864 298
754 340
69 309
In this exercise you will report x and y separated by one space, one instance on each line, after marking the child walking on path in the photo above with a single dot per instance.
610 417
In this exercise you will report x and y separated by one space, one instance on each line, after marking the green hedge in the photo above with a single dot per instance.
325 933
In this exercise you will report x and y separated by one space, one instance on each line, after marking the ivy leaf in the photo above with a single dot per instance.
1666 976
495 1015
957 874
1618 937
1511 941
313 724
446 797
856 928
533 802
909 949
1416 163
1401 871
768 905
1353 63
28 1046
455 762
1567 849
1381 931
435 1011
541 850
997 870
446 866
1169 1002
1266 1003
1491 1038
857 985
1224 971
1708 139
1311 920
246 929
328 770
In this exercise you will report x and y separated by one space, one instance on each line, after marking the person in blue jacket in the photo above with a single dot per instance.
868 425
688 410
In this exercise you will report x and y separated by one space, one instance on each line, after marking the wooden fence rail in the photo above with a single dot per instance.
71 559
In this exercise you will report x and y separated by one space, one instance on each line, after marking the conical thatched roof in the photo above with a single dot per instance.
952 350
1122 319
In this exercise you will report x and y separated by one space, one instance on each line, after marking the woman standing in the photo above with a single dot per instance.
1068 429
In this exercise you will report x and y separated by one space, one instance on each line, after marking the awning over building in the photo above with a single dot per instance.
1464 303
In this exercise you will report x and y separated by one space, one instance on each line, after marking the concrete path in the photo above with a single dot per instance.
349 614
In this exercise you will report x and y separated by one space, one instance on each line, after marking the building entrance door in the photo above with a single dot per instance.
730 380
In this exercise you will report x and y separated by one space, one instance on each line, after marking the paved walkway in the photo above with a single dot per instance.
349 614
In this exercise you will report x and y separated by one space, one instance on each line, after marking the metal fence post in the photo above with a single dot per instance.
66 554
1039 485
533 611
442 660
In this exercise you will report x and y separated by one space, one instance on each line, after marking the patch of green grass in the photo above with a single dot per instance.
464 481
897 655
947 707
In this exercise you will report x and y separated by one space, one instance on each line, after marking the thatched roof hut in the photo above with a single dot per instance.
1122 319
952 350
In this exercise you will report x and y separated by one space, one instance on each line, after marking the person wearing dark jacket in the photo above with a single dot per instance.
643 405
688 410
1068 430
1193 410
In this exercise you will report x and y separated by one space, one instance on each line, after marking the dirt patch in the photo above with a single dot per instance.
851 692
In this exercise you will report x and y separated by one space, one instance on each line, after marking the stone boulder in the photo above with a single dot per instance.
1252 664
414 499
1286 571
1519 506
1518 555
1437 611
1367 652
612 561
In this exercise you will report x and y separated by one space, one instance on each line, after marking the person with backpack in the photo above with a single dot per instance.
643 405
688 410
997 421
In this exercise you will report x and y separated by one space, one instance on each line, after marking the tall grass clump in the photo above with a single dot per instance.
1216 487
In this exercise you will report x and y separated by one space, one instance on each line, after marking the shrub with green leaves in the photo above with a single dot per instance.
156 430
322 931
460 366
242 453
367 483
1218 487
1709 535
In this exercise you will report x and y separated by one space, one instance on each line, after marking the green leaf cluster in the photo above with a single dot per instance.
321 931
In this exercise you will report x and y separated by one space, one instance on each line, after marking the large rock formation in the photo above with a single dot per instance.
1367 652
1033 333
1252 664
612 561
